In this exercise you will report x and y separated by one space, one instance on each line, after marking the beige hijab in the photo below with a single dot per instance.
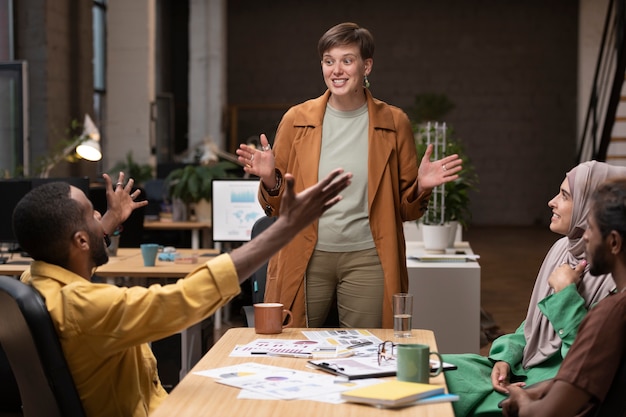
541 339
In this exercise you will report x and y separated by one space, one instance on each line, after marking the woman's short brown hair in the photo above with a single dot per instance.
347 34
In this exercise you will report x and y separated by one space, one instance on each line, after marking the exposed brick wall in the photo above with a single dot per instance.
55 38
510 68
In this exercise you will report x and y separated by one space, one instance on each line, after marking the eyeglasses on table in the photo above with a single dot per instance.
386 351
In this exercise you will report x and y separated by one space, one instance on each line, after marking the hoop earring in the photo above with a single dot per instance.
366 82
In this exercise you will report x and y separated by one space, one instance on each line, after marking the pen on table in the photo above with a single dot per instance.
329 367
284 355
343 354
356 345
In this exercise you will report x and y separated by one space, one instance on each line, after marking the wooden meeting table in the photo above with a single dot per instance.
127 263
199 395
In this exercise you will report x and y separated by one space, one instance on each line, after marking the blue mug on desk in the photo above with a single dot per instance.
149 253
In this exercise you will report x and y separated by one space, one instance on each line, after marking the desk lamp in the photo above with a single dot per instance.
87 146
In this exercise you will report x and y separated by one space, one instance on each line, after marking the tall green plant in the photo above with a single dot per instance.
456 193
429 107
194 182
132 169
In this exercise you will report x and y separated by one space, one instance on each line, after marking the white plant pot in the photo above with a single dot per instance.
412 231
436 237
454 233
203 210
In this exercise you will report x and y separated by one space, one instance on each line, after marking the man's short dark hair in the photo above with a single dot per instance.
45 220
609 207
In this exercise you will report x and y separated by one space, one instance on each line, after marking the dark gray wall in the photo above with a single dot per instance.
510 68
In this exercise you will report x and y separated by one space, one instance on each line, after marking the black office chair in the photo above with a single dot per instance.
257 280
34 353
10 400
156 194
614 404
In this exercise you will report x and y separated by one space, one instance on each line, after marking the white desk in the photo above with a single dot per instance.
446 299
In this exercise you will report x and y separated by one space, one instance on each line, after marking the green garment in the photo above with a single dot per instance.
472 380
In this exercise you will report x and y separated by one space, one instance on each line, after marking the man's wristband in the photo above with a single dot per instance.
279 182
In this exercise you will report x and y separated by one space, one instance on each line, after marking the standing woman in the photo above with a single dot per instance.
356 251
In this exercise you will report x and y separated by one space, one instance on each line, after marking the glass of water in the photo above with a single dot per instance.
402 314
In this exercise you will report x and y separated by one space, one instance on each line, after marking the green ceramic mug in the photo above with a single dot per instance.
414 363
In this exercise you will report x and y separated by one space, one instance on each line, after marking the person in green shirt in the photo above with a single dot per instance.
591 367
563 293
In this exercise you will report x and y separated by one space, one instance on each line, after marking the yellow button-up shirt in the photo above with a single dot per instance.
105 330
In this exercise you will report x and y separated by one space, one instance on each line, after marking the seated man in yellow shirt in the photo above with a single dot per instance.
104 329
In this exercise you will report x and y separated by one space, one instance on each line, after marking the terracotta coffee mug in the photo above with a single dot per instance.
269 318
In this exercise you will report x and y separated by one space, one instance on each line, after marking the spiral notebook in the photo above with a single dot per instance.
391 394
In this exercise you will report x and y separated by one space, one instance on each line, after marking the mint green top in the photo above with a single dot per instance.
345 227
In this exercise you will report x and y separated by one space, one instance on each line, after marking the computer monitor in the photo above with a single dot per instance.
235 208
12 192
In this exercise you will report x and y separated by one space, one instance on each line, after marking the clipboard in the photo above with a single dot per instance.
355 368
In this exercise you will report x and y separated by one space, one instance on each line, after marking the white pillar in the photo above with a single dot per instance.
130 80
207 71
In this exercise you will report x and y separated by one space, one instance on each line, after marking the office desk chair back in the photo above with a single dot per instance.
257 280
10 401
34 353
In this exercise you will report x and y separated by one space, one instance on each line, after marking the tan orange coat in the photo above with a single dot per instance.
392 197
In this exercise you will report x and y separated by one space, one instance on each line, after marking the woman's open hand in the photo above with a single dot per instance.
434 173
259 162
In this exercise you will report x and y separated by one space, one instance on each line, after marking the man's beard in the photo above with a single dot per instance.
599 262
99 253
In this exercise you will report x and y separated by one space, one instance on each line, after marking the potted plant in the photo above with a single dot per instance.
191 185
450 204
456 198
429 107
436 230
132 169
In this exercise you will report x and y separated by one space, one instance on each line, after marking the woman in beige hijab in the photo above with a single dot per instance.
563 293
